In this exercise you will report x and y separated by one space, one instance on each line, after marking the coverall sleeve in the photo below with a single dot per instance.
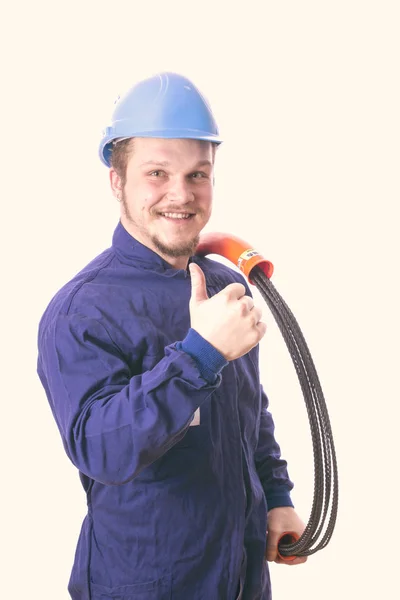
114 422
271 468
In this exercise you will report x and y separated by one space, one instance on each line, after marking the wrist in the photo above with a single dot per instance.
209 360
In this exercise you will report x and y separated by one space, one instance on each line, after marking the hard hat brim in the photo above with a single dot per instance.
105 148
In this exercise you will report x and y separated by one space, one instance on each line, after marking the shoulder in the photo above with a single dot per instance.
71 294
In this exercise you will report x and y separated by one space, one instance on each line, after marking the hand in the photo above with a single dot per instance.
280 520
229 321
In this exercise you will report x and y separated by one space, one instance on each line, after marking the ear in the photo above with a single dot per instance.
115 183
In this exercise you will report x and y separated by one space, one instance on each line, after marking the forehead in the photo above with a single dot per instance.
173 151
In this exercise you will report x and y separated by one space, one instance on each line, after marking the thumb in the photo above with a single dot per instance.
199 290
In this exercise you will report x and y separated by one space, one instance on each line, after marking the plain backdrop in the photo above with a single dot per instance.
307 98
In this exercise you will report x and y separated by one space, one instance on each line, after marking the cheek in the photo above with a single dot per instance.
206 201
149 203
145 200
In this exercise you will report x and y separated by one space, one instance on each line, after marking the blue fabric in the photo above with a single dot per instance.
210 362
174 511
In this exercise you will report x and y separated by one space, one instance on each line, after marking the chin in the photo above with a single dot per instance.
182 248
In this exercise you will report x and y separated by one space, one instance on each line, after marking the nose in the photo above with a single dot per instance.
180 190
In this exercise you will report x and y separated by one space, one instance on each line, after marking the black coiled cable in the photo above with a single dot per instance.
321 524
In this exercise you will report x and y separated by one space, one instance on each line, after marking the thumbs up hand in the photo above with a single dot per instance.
229 321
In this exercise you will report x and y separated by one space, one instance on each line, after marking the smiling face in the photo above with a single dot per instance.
166 198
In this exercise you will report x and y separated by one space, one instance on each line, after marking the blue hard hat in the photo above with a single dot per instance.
167 105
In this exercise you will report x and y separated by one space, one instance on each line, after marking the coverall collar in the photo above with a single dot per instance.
133 252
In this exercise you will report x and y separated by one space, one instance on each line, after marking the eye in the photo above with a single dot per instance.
157 173
198 175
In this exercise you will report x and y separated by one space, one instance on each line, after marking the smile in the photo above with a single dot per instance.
177 215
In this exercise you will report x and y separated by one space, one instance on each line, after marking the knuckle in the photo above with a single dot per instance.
227 292
236 289
242 308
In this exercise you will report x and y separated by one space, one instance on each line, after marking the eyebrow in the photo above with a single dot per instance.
201 163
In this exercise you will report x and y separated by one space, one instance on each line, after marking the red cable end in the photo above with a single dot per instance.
289 537
236 250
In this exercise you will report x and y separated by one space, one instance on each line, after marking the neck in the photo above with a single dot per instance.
177 262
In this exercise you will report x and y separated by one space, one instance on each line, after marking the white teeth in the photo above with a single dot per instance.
176 215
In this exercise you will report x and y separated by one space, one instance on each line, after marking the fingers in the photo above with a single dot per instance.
271 553
283 522
256 314
235 291
228 320
296 561
198 282
262 329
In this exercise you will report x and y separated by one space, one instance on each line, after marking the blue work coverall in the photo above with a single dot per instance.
175 447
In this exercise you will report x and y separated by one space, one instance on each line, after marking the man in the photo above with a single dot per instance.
149 358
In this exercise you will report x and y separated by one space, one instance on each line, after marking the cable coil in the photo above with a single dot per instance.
322 520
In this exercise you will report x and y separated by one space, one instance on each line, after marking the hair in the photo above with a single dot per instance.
121 151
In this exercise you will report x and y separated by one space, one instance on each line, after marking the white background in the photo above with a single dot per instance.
307 98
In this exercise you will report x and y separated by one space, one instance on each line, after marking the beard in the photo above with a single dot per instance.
185 248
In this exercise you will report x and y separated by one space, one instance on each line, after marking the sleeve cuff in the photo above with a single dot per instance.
275 500
209 361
